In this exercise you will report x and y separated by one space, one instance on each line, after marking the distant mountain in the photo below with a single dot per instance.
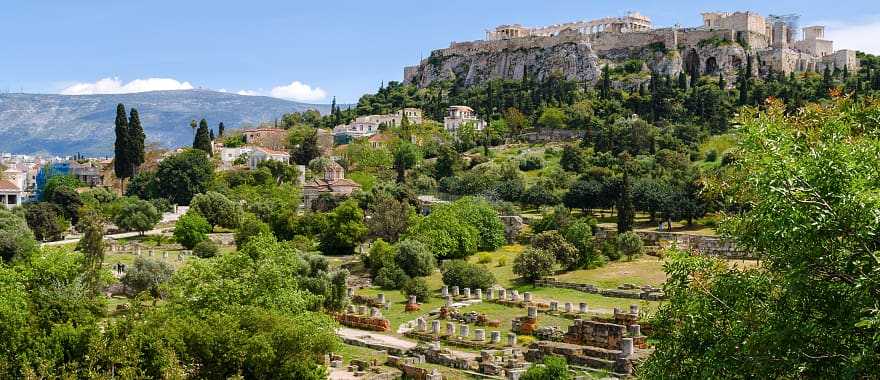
66 124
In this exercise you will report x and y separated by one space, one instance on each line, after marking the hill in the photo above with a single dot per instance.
66 124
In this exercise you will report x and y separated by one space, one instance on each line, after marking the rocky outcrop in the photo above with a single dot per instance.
474 63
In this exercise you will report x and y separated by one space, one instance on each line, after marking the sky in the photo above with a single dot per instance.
309 51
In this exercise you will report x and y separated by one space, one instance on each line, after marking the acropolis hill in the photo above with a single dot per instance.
580 49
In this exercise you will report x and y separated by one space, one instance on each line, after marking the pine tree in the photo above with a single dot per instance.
121 164
605 89
722 84
220 129
682 81
203 139
136 138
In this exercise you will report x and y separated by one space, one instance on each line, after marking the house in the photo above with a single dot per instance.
365 126
12 188
273 138
456 116
334 183
260 154
379 140
229 155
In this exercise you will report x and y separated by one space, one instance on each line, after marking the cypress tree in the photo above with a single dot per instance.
220 129
722 84
682 81
211 134
203 139
625 209
121 165
827 82
136 137
605 89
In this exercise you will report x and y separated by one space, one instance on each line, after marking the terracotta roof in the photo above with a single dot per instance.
271 151
380 138
7 185
264 130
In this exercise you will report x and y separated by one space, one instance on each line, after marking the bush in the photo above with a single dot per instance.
250 227
391 277
467 275
552 242
416 287
502 261
711 155
533 264
414 258
381 255
191 229
629 244
217 209
609 250
484 258
206 249
531 163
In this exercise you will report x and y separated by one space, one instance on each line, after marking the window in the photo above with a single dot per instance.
11 199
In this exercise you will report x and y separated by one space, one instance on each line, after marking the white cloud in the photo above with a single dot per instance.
115 86
299 91
860 36
248 93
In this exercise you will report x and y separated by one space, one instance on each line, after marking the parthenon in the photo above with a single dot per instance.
632 22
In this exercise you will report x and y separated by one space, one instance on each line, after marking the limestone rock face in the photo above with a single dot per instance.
574 60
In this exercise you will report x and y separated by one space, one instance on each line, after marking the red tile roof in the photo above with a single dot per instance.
7 185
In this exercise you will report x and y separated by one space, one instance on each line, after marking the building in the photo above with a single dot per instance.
333 183
260 154
12 188
632 22
365 126
814 42
273 138
89 172
229 155
379 140
456 116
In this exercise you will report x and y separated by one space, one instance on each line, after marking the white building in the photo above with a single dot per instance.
259 155
12 188
364 126
456 116
229 155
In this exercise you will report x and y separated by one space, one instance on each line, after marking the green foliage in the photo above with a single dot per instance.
391 277
552 118
59 181
217 209
416 287
629 244
406 156
467 275
580 235
414 258
121 158
68 200
531 163
533 264
459 229
147 275
16 239
206 249
92 247
144 186
191 229
553 243
381 255
137 215
202 139
45 220
345 229
554 368
389 217
181 176
250 227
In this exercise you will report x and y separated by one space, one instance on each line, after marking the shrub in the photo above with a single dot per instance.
609 250
467 275
391 277
414 258
191 229
629 244
206 249
712 155
217 209
533 264
552 242
250 227
381 255
502 261
531 163
484 258
416 287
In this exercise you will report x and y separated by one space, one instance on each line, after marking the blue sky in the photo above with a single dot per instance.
308 51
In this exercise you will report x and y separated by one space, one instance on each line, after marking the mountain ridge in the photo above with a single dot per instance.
67 124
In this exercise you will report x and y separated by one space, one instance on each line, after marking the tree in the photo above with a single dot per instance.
92 247
146 275
183 175
381 255
68 200
809 180
533 264
416 287
202 141
580 235
221 129
625 210
630 244
478 213
414 258
605 88
308 149
206 249
552 118
467 275
135 142
448 162
121 148
16 239
191 229
58 181
138 215
345 229
552 242
406 156
446 233
45 220
516 120
217 209
250 227
389 218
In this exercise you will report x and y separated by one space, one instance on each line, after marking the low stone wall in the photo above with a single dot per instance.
702 244
363 322
644 293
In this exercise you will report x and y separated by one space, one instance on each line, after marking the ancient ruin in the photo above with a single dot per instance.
579 50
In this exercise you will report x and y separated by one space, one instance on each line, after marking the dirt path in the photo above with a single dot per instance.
388 340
